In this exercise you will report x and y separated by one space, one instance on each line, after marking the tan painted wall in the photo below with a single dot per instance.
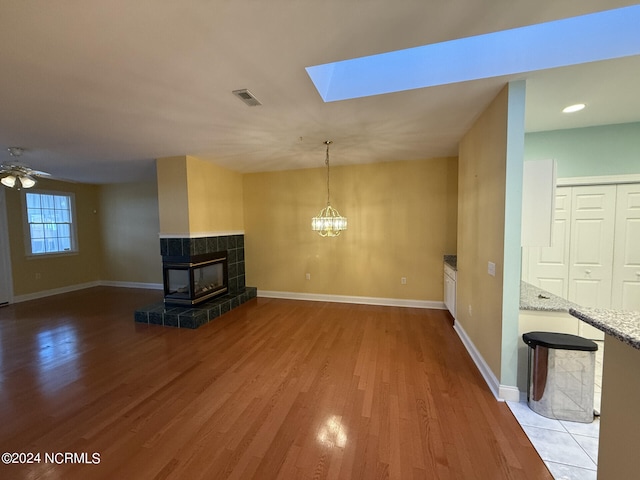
173 198
215 198
129 222
198 198
402 220
620 419
481 203
63 270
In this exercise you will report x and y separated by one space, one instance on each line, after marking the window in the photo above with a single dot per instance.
50 223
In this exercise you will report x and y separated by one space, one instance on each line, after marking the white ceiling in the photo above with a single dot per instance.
95 91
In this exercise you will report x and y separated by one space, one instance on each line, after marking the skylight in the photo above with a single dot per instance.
587 38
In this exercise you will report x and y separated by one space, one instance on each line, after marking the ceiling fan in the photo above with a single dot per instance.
16 175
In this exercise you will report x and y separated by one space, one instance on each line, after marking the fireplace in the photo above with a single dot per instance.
190 280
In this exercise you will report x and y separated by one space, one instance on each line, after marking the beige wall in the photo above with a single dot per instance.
173 198
402 220
215 198
129 222
56 271
619 420
481 219
198 198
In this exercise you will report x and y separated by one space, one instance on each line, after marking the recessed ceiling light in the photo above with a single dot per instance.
573 108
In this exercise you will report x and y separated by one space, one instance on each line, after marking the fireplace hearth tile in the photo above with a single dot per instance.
171 319
213 312
225 307
196 316
156 318
192 318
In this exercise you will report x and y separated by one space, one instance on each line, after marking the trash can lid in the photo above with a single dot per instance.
561 341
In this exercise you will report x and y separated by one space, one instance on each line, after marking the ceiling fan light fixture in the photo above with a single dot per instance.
18 175
8 181
27 181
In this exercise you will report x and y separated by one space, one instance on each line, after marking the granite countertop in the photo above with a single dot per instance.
452 261
625 326
534 298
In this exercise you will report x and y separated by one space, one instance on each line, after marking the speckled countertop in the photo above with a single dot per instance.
452 261
625 326
534 298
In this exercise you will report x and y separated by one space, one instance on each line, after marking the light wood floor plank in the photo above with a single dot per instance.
275 389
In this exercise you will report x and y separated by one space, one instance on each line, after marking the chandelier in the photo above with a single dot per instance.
328 223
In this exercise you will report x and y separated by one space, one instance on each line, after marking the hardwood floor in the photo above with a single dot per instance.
275 389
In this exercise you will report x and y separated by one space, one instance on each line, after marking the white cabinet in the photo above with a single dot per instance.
538 194
450 289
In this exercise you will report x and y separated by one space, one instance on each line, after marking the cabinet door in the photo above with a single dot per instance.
450 294
626 264
548 267
591 250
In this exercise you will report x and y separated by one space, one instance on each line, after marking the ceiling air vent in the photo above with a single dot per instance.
247 97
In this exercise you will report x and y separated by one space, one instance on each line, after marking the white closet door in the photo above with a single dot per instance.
591 250
626 264
548 267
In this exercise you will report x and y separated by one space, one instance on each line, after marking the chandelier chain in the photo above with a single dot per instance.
326 161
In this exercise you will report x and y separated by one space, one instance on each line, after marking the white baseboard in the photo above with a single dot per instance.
501 392
53 291
318 297
82 286
510 394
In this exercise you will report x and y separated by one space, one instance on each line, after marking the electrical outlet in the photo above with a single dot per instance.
307 276
491 269
470 310
403 280
38 276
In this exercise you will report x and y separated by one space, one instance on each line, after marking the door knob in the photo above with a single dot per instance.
588 272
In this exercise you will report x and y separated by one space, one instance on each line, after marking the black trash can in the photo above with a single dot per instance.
561 375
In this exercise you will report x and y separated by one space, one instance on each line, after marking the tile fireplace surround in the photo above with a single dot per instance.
198 315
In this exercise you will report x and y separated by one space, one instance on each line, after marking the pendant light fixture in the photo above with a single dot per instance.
328 223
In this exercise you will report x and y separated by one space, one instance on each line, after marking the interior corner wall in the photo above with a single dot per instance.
215 198
129 221
173 197
481 229
197 198
402 220
37 274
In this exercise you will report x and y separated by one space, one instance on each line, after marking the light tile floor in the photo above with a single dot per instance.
569 449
